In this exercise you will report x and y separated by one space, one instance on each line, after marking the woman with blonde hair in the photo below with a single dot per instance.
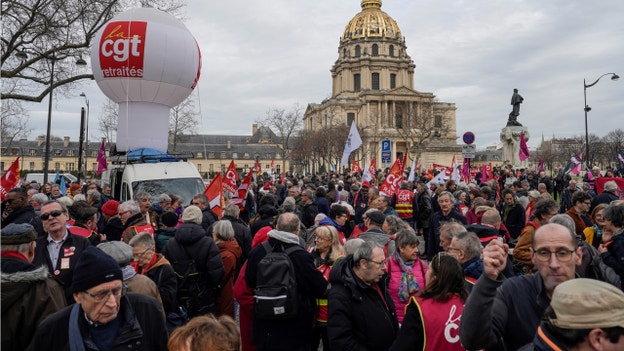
326 251
206 333
593 234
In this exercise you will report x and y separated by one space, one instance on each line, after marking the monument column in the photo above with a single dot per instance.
510 134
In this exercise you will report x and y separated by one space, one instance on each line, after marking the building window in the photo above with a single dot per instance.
222 169
211 167
391 49
33 152
375 50
392 80
344 53
268 156
31 166
211 155
438 122
234 155
199 167
58 152
246 155
222 154
278 169
375 81
69 166
356 82
70 153
350 118
94 167
200 154
398 121
57 166
2 166
357 51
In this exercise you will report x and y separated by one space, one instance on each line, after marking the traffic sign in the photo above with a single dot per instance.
386 155
468 138
469 151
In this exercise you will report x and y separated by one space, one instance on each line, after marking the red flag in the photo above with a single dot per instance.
355 167
258 168
523 153
466 170
231 176
241 193
373 166
214 193
101 159
9 179
282 176
272 165
391 184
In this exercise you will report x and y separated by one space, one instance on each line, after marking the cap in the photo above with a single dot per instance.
376 217
192 214
366 184
93 268
118 250
586 304
75 186
169 218
110 208
164 198
16 234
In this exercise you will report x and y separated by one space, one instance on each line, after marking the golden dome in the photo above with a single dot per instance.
371 22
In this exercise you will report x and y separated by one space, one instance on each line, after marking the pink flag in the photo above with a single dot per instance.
466 170
540 166
484 176
524 149
577 168
101 159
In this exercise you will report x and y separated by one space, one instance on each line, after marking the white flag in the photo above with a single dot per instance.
353 142
455 171
412 173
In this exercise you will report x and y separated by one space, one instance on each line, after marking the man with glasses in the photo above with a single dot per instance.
104 317
133 220
581 203
508 312
361 314
17 209
59 250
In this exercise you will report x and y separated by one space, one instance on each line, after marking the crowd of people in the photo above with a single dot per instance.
522 261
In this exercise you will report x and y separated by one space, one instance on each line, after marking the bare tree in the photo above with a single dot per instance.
286 124
418 125
107 121
14 124
48 32
182 121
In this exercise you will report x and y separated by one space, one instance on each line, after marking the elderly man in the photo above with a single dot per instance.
28 293
581 202
104 316
133 220
361 314
16 209
310 208
293 333
447 213
374 220
59 250
606 196
510 310
143 199
584 314
85 222
467 248
208 216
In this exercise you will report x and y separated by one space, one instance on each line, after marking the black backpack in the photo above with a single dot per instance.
276 294
192 285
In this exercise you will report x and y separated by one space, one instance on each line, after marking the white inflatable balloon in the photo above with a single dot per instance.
147 61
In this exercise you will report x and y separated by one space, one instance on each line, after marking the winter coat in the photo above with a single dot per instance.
161 273
70 251
308 213
419 268
244 295
296 332
515 219
161 236
614 257
266 215
359 319
190 241
243 237
208 218
29 295
113 229
381 238
433 237
24 215
129 228
230 252
142 328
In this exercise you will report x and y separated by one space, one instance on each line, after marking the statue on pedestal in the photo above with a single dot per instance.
516 100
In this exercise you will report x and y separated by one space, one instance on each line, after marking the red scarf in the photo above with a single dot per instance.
14 254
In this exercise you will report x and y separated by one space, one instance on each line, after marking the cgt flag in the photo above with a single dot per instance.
231 177
391 184
355 167
214 193
353 142
241 194
9 179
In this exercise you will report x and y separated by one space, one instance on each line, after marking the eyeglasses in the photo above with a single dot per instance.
319 238
138 256
123 212
380 263
563 255
453 249
55 213
103 295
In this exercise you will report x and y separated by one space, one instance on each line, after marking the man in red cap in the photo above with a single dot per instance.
113 228
74 190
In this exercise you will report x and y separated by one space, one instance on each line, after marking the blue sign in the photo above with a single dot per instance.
386 155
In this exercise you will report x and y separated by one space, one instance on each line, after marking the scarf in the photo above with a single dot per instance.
408 285
597 233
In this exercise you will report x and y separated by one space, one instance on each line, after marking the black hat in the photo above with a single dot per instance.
16 234
169 218
376 217
94 267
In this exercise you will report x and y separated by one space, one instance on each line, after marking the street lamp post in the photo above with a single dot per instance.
587 109
86 149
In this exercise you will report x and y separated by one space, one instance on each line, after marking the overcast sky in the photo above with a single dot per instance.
259 55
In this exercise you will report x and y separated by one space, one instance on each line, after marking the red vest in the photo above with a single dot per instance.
441 323
405 204
144 228
87 233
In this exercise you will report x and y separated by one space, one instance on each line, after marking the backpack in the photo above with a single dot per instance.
276 295
192 286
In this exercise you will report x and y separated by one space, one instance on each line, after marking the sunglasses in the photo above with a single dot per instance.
55 213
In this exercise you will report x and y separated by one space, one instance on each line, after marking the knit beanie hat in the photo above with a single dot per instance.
93 268
16 234
192 214
170 219
110 208
118 250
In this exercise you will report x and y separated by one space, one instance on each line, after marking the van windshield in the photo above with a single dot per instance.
185 188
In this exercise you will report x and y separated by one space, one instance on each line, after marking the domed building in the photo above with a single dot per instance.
373 85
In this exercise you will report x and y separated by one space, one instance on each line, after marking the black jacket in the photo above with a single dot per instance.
71 249
25 215
266 215
142 327
433 237
208 218
358 318
190 240
292 333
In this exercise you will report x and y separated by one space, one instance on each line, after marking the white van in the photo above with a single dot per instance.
169 175
38 177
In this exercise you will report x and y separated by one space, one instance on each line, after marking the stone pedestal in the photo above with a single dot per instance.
510 137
